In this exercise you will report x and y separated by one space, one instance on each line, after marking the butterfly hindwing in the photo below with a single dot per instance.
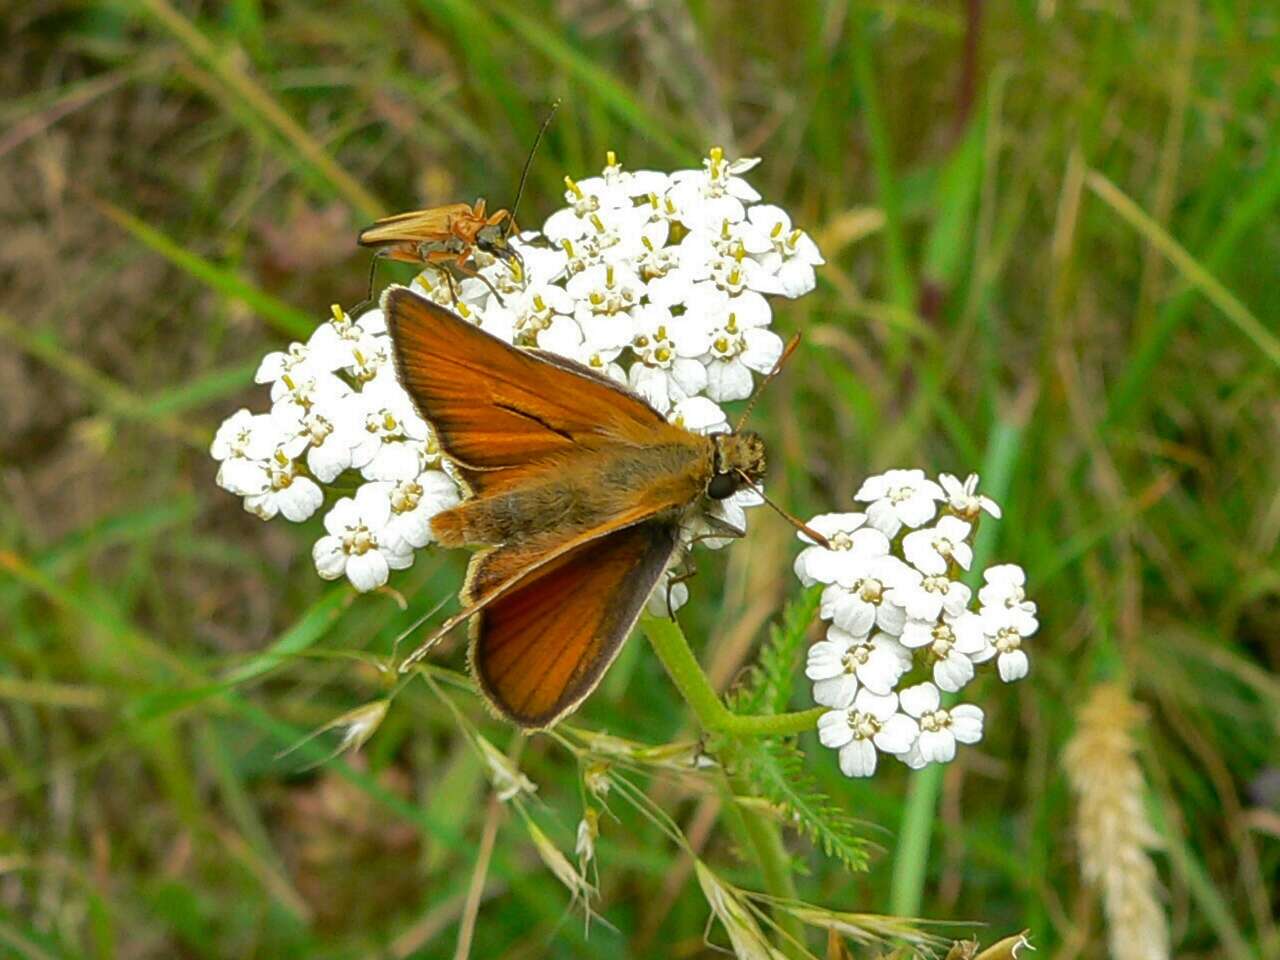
539 647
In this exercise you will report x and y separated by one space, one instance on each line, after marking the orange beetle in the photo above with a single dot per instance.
440 235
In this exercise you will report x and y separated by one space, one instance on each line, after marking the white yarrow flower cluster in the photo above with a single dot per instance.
903 629
659 281
339 420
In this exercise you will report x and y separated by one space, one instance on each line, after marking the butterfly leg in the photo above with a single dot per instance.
718 530
688 573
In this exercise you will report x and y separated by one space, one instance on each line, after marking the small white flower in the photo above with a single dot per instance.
415 502
388 431
586 200
616 236
539 265
493 318
632 183
925 598
733 352
871 723
565 337
284 490
307 390
361 347
655 262
955 644
931 551
940 729
606 295
293 359
841 662
729 293
899 497
964 499
672 273
667 370
245 435
358 543
789 253
867 576
847 607
327 432
534 309
850 541
242 443
699 415
1004 590
1005 629
707 197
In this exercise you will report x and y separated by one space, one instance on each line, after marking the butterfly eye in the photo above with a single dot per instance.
722 485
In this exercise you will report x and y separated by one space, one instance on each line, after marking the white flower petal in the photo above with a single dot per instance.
898 735
1013 665
921 699
858 759
966 723
367 571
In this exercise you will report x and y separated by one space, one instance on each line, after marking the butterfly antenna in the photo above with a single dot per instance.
796 522
528 162
777 369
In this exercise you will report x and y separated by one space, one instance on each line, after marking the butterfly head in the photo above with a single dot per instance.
739 460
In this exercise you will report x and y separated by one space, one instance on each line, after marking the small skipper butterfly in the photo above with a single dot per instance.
576 491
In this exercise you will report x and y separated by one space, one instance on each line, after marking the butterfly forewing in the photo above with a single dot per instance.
541 646
499 413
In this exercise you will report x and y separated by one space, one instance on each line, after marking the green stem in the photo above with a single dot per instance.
763 835
765 839
672 648
911 859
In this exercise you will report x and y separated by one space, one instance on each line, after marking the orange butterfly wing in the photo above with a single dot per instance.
501 413
540 647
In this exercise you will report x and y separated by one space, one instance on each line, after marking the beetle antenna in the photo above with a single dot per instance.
796 522
528 162
777 369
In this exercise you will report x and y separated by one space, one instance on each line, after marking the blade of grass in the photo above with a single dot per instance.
1203 890
285 318
304 634
113 397
911 859
201 390
1256 204
66 696
1190 268
229 72
129 527
901 286
602 84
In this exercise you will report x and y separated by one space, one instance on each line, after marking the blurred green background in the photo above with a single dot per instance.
1053 248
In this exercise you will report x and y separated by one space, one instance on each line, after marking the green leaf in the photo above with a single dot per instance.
772 681
776 768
